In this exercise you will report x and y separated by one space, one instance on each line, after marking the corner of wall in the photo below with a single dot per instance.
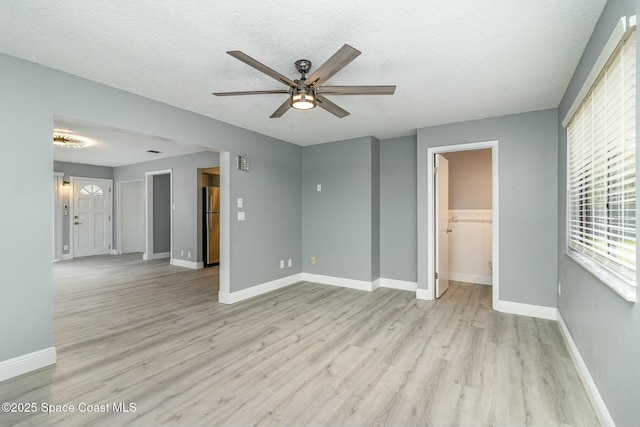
27 363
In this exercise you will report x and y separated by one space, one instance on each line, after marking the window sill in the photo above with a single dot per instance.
619 286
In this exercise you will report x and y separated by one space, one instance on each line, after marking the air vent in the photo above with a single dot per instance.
153 151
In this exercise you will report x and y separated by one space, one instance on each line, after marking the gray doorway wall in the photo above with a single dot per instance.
158 214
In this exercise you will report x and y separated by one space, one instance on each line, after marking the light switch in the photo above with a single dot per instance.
319 187
240 202
240 216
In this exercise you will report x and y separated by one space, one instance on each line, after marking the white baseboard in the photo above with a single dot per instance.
539 311
27 363
423 294
187 264
470 278
113 252
592 391
361 285
66 257
376 284
254 291
398 284
162 255
159 255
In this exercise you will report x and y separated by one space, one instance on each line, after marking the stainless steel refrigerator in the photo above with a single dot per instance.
211 216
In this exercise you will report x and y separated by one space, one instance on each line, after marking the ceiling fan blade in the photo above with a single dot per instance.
357 90
324 103
281 110
261 67
337 62
251 92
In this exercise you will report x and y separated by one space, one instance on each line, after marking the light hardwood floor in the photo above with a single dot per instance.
152 334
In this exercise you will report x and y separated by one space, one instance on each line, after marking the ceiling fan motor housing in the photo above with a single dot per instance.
303 66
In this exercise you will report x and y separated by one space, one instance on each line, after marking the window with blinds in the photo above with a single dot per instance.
601 145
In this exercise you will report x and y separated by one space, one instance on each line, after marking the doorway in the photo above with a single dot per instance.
125 148
441 218
159 214
433 231
210 229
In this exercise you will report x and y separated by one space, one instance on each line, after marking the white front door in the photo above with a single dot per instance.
442 224
91 224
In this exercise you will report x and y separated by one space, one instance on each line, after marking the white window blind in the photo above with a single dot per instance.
601 143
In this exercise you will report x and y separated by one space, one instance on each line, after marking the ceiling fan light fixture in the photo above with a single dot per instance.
303 100
307 92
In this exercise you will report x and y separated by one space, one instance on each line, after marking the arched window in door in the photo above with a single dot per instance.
91 189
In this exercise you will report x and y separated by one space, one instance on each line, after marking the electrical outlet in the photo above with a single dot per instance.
559 289
313 260
189 255
290 263
281 263
182 253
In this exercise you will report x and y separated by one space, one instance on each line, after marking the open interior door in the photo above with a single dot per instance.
441 216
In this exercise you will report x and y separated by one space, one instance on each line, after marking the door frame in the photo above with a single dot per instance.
148 197
72 203
58 188
119 211
495 205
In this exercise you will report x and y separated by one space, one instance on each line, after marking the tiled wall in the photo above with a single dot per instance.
470 245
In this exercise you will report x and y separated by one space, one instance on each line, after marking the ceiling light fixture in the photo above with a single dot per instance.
303 99
70 141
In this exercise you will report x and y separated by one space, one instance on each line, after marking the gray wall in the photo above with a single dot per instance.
398 241
528 163
161 213
470 179
375 208
132 211
31 96
77 170
187 216
338 221
82 170
605 328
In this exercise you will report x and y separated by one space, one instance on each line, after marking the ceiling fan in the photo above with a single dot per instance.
308 91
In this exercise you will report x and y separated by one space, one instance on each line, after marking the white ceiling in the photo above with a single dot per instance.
115 147
452 60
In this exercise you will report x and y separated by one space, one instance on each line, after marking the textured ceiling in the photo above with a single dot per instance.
452 60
